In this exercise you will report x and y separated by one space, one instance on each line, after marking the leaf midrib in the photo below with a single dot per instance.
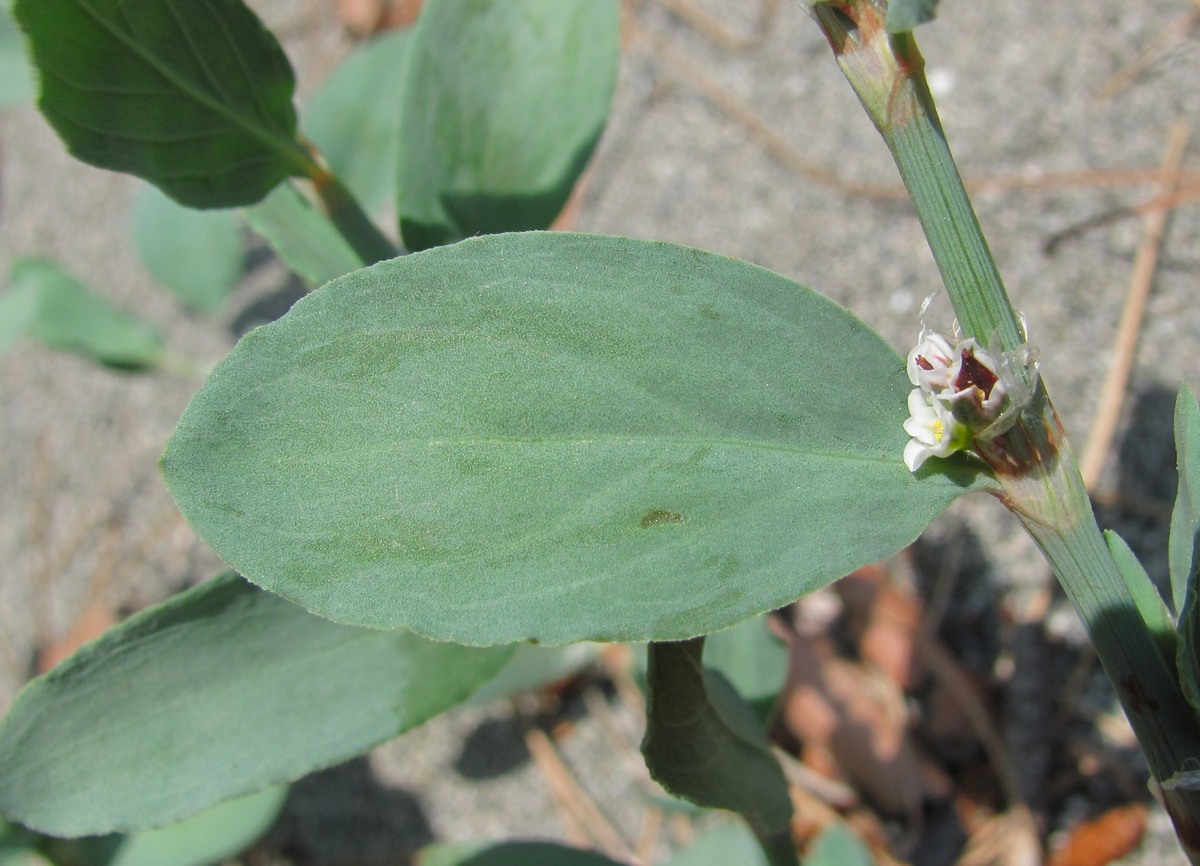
356 449
287 148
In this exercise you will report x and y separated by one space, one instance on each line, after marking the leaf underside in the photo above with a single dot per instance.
703 743
555 437
194 96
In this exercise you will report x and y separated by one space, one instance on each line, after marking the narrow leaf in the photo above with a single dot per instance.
355 118
212 694
504 101
304 238
58 311
704 744
511 854
199 255
1185 519
1150 605
904 15
195 96
555 437
1187 660
16 79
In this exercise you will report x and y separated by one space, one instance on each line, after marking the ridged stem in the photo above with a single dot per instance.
1032 460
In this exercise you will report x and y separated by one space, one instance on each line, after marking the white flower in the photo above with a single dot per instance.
931 363
976 392
934 430
963 395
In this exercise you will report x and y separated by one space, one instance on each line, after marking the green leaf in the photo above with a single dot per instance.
211 837
55 309
355 118
555 437
510 854
18 846
212 694
904 15
504 101
199 255
1185 519
18 310
304 238
839 846
1187 659
195 96
753 660
704 744
730 842
16 78
532 667
1150 605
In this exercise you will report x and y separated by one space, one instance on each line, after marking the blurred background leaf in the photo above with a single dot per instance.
16 75
503 104
302 236
49 305
198 255
354 119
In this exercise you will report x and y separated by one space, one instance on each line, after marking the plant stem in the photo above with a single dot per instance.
346 214
888 74
779 848
1047 494
1032 460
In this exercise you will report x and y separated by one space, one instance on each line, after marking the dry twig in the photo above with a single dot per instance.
1115 383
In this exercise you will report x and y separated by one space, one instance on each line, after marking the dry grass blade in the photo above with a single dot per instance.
1007 839
693 75
1175 33
581 814
714 29
1115 383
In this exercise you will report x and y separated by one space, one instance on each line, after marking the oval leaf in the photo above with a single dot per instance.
504 101
52 307
195 96
554 437
198 255
215 693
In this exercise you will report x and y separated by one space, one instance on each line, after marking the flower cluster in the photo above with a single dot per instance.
959 393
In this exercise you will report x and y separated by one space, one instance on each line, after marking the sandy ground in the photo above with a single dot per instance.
744 149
